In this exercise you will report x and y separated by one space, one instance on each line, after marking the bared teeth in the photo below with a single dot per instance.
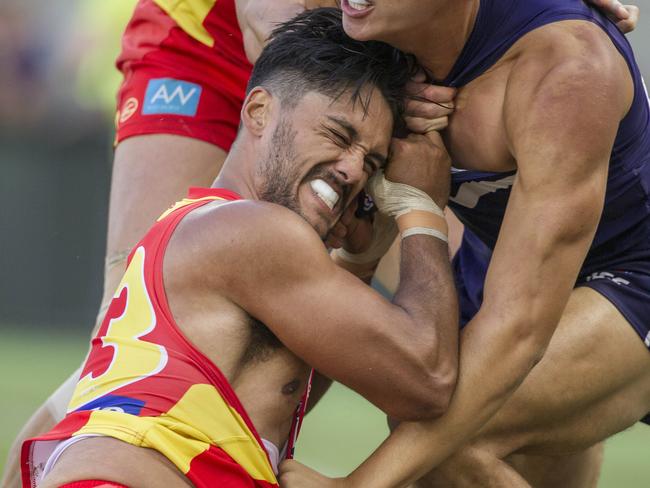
358 5
325 192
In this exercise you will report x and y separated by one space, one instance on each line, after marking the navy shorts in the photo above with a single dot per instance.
626 285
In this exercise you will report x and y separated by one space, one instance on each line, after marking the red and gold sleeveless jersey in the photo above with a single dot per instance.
145 384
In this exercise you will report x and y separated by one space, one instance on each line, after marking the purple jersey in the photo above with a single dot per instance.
618 262
479 199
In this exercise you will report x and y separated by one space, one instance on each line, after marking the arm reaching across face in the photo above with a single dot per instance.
402 356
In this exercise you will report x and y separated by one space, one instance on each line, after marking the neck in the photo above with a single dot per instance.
238 173
438 43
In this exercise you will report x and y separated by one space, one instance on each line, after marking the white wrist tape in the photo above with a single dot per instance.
397 199
383 235
426 231
414 210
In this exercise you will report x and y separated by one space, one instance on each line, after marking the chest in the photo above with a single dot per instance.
476 136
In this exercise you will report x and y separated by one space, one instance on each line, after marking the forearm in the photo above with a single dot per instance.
414 448
426 289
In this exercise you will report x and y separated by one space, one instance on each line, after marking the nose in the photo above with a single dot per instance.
350 167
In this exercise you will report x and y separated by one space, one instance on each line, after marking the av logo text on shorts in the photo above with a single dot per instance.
170 96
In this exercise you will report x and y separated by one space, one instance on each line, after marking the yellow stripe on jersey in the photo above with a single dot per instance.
199 419
189 15
184 202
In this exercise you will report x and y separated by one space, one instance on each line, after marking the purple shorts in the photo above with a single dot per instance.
626 285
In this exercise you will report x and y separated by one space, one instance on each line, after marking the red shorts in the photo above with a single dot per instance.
93 484
175 84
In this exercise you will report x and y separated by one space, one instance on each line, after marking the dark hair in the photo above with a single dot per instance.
311 52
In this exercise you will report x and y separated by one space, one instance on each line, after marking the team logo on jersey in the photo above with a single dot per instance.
128 109
116 403
170 96
470 192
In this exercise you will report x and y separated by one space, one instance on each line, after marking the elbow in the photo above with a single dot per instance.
430 400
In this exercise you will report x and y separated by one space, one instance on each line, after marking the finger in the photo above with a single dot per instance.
339 230
630 23
612 7
430 110
422 126
435 137
420 76
286 465
432 93
333 242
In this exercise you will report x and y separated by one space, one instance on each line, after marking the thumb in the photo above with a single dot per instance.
435 137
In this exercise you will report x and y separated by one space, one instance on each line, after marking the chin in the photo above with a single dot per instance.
356 30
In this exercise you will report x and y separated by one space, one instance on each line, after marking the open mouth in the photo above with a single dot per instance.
356 8
324 191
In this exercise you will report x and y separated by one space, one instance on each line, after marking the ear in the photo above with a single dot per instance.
256 111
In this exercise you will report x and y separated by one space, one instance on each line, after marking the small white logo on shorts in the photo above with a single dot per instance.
604 275
128 109
647 340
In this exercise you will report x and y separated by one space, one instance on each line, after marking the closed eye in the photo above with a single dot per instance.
339 138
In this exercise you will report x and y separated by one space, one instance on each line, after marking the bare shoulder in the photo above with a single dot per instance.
235 236
576 53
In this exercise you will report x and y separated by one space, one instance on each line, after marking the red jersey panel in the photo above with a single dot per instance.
185 71
145 384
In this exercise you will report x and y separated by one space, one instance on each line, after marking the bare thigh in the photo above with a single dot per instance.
579 470
593 382
150 173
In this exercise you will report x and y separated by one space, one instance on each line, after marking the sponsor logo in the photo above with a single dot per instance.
170 96
128 109
470 192
604 275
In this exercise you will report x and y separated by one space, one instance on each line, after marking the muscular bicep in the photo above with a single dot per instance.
561 118
325 315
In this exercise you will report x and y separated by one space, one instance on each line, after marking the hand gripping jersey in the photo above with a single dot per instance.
185 71
143 383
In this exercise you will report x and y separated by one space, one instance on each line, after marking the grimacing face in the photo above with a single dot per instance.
321 153
387 20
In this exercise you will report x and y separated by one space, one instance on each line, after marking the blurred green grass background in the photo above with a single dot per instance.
340 432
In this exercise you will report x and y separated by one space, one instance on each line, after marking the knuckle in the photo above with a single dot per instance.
437 93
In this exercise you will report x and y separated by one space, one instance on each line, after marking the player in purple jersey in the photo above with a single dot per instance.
551 142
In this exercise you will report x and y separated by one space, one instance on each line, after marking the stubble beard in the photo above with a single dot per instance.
280 175
278 172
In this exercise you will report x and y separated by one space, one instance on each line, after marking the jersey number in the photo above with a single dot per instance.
132 359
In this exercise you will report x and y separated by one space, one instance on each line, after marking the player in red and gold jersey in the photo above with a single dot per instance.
201 361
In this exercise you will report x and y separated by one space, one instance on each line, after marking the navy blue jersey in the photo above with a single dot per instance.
479 199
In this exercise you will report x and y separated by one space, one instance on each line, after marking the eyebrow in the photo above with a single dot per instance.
379 159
